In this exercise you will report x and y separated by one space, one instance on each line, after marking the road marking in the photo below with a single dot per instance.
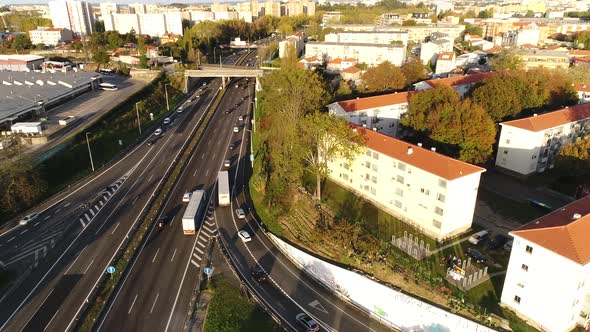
55 314
67 204
132 304
86 216
150 179
209 229
113 232
153 305
199 250
57 211
202 245
12 238
88 267
82 222
156 255
195 263
92 212
317 305
214 154
35 313
23 232
207 173
47 217
202 156
35 224
135 200
74 262
196 256
173 254
206 235
96 208
195 173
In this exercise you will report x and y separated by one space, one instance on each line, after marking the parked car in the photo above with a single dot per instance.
258 274
508 245
179 110
241 118
498 241
158 132
152 141
186 197
240 213
28 218
244 236
478 237
476 255
308 323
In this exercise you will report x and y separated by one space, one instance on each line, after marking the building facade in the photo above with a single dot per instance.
432 192
533 58
415 33
429 51
76 16
548 277
50 36
370 54
372 37
25 62
530 145
461 84
155 24
445 63
583 92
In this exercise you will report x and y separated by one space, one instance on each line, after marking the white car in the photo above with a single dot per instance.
27 218
478 237
240 213
186 197
167 121
237 86
227 163
179 110
240 118
158 132
244 236
236 129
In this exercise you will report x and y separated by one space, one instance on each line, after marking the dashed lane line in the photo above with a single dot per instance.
156 255
154 304
113 232
173 254
132 304
89 265
199 250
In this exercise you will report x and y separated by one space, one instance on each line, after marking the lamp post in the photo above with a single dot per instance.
166 92
138 120
89 152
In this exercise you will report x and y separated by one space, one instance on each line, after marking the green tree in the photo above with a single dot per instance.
114 39
472 30
489 13
574 158
40 46
529 13
20 184
99 26
77 46
422 103
22 42
101 57
327 137
383 77
499 97
506 60
413 71
409 23
343 90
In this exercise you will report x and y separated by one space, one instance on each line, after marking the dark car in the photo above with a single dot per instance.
231 146
162 222
227 111
258 274
476 255
307 322
152 141
498 241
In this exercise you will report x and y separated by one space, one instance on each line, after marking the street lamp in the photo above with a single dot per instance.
89 152
138 120
166 91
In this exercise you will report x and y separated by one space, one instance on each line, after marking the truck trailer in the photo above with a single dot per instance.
223 188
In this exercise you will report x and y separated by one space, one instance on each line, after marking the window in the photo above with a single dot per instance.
393 165
508 141
368 153
374 179
529 249
438 211
520 285
373 191
366 188
368 165
425 191
399 192
401 166
398 204
442 183
524 267
534 156
436 223
346 166
345 176
374 167
400 179
516 298
505 151
440 197
375 156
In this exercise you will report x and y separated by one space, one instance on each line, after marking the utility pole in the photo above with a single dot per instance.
166 92
219 60
89 152
138 120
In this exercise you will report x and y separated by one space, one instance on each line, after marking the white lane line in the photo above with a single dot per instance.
35 224
195 173
199 250
96 208
113 232
35 313
202 245
209 229
57 211
92 212
207 173
206 236
89 265
82 222
156 255
172 222
202 156
150 179
23 232
153 305
196 256
214 154
75 260
12 238
67 204
135 200
195 263
55 314
47 217
173 254
132 304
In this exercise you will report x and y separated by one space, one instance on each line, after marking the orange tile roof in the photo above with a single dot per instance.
350 60
446 56
494 50
560 231
552 119
336 61
579 52
351 70
424 159
528 46
311 59
582 59
459 80
360 104
582 87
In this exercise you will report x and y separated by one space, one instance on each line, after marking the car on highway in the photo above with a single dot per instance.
478 237
167 121
236 105
28 218
237 86
498 241
232 146
308 323
186 197
258 274
236 129
476 255
227 111
179 110
241 118
158 132
227 163
244 236
152 141
162 221
240 213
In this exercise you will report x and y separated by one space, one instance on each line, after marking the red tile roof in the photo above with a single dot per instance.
351 70
310 59
579 53
446 56
552 119
424 159
582 87
354 105
494 50
564 231
336 61
459 80
528 46
350 60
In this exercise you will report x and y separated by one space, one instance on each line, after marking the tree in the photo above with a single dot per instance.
506 60
574 158
498 96
472 30
343 90
327 137
22 42
529 13
409 23
489 13
20 184
101 57
99 26
77 46
40 46
422 103
383 77
413 71
114 39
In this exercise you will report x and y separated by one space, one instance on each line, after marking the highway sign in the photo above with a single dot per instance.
208 271
111 269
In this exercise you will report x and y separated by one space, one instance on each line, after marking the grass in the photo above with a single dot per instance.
229 311
521 212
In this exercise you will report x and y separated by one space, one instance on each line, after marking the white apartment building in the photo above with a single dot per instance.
445 63
548 278
225 15
529 34
50 36
77 16
370 54
295 41
429 51
150 24
430 191
583 92
368 37
530 145
415 33
139 8
201 15
382 113
108 8
461 84
173 23
155 25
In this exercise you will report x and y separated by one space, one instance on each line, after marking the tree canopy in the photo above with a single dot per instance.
413 71
499 96
574 158
383 77
506 60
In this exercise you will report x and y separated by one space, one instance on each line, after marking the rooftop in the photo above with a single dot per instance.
579 53
458 80
446 56
564 231
552 119
541 52
582 87
351 70
354 105
19 58
424 159
355 44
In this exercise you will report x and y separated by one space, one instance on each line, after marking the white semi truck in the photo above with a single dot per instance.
193 209
223 188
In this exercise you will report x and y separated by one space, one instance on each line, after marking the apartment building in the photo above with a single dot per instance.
370 37
76 16
295 42
534 58
415 33
370 54
548 277
155 24
530 144
461 84
381 113
432 192
583 92
429 51
50 36
445 63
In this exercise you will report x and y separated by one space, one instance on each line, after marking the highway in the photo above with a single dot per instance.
65 251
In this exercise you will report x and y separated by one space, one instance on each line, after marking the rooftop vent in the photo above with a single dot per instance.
374 129
420 144
576 216
433 149
535 114
410 150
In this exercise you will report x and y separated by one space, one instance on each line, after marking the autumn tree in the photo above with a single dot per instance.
326 137
383 77
499 97
422 103
574 158
413 71
20 184
506 60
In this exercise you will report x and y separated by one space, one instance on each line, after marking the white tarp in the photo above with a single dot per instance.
400 310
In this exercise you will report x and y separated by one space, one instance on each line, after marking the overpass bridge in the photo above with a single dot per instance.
225 72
